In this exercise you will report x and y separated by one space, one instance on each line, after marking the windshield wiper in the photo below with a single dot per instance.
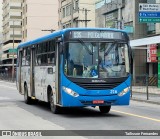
85 46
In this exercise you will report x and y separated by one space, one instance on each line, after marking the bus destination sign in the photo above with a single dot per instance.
96 35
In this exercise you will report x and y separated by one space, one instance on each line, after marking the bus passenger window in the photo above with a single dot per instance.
51 57
38 60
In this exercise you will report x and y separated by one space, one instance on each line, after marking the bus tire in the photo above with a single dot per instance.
104 109
27 99
54 108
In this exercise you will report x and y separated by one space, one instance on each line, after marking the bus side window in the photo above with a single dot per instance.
23 57
38 61
28 53
51 52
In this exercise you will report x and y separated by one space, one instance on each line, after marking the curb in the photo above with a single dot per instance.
146 101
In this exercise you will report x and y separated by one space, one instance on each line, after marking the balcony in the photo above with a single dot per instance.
9 46
8 56
112 6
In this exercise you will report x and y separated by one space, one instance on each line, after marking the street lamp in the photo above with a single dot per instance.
13 55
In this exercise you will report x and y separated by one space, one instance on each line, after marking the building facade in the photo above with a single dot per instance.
12 29
76 13
124 14
24 20
38 18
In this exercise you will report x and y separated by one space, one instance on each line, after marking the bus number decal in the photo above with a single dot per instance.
113 91
77 35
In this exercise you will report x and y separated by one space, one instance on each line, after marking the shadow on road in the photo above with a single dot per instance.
42 108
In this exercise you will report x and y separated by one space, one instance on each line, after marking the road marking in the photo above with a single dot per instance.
8 87
135 115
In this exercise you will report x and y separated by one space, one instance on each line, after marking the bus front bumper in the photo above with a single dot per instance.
82 101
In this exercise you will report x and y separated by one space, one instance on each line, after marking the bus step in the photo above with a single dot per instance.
33 97
59 105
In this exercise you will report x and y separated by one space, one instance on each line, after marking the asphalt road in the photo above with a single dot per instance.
16 115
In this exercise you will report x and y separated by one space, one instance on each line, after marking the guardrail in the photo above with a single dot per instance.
7 76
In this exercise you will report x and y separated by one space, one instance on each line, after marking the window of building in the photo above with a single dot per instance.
26 33
76 5
64 12
68 10
26 20
26 8
151 28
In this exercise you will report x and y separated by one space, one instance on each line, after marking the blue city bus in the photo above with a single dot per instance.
76 67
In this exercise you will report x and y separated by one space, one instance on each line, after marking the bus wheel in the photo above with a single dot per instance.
27 99
54 109
104 109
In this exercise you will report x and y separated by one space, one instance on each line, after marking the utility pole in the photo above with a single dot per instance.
72 9
86 17
13 55
51 30
119 16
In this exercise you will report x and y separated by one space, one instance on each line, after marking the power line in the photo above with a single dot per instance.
42 4
42 16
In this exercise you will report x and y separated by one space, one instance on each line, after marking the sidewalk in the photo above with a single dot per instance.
139 93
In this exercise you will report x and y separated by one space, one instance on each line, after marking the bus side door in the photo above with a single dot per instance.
32 71
58 71
19 70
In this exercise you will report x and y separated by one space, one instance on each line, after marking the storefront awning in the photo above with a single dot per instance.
145 41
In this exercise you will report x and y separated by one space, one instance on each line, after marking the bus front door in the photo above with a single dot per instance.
32 75
20 85
58 73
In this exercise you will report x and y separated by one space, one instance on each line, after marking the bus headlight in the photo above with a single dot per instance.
124 91
70 91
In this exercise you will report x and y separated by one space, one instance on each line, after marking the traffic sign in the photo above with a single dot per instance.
149 7
149 20
149 14
12 51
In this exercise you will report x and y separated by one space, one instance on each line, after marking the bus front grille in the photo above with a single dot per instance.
97 86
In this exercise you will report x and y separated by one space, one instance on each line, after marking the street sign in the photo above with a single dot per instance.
149 14
149 7
12 51
149 20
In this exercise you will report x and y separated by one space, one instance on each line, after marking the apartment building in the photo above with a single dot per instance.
24 20
39 18
11 30
76 13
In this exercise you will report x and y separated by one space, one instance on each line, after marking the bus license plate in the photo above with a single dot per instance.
98 101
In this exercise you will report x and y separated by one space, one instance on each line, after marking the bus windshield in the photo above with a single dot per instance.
96 60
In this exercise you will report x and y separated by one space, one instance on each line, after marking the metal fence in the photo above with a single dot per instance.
7 76
145 87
